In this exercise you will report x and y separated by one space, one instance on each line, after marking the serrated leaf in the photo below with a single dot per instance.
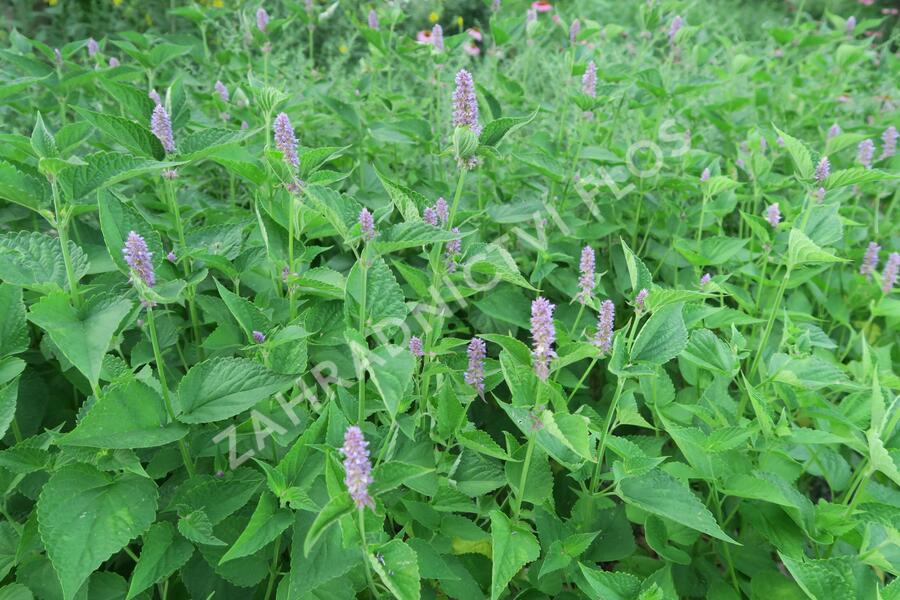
129 415
391 369
14 337
86 515
83 335
206 142
197 527
132 135
406 200
385 303
220 388
23 189
411 234
398 568
662 337
803 251
267 522
479 441
330 514
33 260
494 132
103 169
855 176
513 546
162 553
802 160
611 585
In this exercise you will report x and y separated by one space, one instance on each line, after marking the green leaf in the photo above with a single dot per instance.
84 334
405 200
103 169
391 368
482 442
385 303
497 263
662 337
398 567
42 140
117 220
23 189
162 553
660 494
14 337
267 523
855 176
126 132
220 388
802 161
129 415
708 352
85 516
313 158
824 578
718 184
197 527
33 260
611 585
412 234
513 546
9 393
330 514
803 251
494 132
207 142
392 474
638 273
322 282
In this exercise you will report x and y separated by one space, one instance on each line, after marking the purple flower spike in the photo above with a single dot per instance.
773 214
285 140
543 333
674 28
865 153
574 29
465 104
454 247
851 24
169 174
834 130
820 194
640 299
823 169
603 339
259 337
437 37
586 281
415 346
113 62
889 138
154 95
161 127
780 141
429 216
262 19
373 19
357 467
367 224
889 275
704 281
92 47
589 80
474 375
870 260
704 175
495 6
138 257
442 210
222 91
171 257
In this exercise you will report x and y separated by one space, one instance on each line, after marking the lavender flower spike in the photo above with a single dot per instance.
603 339
589 80
870 260
415 346
367 224
357 467
851 24
437 37
262 19
138 257
823 169
113 62
465 104
889 275
704 281
704 175
675 27
373 19
92 47
586 281
454 247
161 127
474 375
889 138
285 140
641 298
222 91
543 333
154 95
442 210
259 337
773 214
865 153
429 216
834 130
574 29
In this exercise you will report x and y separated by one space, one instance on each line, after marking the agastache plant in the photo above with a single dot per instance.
543 335
773 214
367 225
889 275
415 346
834 130
586 280
373 19
865 153
889 142
437 37
870 260
603 339
674 28
285 140
262 19
823 169
465 104
357 467
161 127
589 80
222 91
139 259
453 249
474 374
92 47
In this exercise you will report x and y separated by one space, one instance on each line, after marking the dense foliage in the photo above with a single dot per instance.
463 300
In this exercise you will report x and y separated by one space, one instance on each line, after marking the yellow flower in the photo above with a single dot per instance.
343 49
433 17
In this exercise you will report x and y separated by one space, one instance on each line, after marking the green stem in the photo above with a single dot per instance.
365 551
362 332
273 570
291 253
160 368
457 194
62 226
580 381
725 546
607 429
702 219
172 201
524 477
768 330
